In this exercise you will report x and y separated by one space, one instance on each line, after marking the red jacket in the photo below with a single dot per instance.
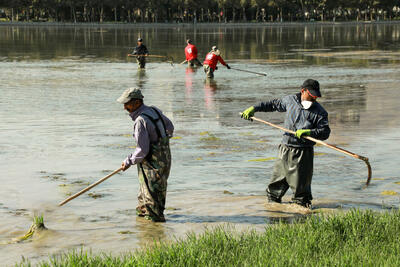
190 52
212 60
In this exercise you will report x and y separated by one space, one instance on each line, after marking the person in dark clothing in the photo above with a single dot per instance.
294 166
141 53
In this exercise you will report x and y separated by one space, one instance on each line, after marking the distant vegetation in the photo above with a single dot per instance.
192 11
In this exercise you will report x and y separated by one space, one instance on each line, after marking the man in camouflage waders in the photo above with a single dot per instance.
151 130
294 166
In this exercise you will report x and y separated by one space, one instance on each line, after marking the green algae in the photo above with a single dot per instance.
125 232
95 195
389 193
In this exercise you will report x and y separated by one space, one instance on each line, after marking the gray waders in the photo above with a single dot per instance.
153 174
294 169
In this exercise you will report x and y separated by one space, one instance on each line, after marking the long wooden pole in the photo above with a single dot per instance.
249 71
89 187
131 55
157 56
325 144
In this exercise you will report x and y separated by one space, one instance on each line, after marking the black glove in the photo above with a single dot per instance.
216 68
228 66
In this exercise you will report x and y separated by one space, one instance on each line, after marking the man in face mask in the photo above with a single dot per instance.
294 166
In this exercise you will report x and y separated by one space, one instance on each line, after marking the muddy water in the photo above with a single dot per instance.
62 129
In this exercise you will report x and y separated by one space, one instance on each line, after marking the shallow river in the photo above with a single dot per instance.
61 128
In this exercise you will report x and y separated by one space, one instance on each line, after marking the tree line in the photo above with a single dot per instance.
193 11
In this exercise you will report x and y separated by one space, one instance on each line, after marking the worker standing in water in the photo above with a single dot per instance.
211 61
141 53
191 54
294 166
151 130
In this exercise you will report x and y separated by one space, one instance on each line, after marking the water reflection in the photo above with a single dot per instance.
148 232
345 109
269 43
141 78
189 76
210 87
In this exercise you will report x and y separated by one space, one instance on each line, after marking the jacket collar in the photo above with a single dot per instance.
137 112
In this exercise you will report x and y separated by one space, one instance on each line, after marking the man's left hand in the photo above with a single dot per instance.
301 132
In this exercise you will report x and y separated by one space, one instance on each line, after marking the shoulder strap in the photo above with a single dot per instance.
154 121
160 118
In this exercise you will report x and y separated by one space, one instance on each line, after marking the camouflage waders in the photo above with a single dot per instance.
294 169
209 71
141 61
153 174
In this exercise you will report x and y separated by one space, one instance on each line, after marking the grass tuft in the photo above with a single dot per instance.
361 238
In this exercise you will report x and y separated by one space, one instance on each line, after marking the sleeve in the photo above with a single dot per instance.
221 60
145 50
142 145
134 51
270 106
322 130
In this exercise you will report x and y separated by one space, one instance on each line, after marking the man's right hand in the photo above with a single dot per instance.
124 166
248 113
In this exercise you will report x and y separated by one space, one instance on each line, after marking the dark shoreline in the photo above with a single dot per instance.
197 25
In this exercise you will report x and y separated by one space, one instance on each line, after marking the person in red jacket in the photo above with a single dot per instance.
191 54
210 63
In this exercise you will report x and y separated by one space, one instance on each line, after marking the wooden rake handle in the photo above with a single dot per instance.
365 159
89 187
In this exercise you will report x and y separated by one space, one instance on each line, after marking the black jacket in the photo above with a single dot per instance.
140 50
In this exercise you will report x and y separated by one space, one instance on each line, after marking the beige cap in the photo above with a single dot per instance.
129 94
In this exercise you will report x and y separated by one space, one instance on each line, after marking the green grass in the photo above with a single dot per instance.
356 238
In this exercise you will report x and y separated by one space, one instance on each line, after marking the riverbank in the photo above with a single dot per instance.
199 25
354 238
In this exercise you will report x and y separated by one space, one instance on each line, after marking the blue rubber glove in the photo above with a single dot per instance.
301 132
248 113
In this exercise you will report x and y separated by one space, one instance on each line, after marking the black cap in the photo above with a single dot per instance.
312 86
140 39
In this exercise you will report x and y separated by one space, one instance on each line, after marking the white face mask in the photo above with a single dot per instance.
306 104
